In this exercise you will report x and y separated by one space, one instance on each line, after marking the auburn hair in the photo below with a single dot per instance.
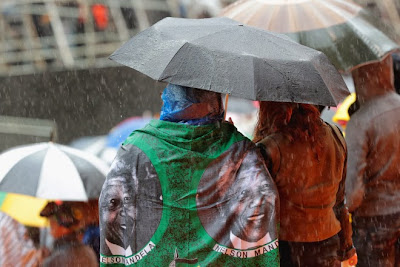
300 122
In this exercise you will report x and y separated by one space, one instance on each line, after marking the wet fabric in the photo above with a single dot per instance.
184 195
228 57
15 249
311 191
190 105
69 251
377 240
373 179
91 237
310 254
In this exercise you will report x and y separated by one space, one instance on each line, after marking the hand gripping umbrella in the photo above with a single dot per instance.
53 172
337 28
225 56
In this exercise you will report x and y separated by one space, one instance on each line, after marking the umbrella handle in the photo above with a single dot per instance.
226 105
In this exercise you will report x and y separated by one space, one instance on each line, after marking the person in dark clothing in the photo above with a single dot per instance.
396 71
373 177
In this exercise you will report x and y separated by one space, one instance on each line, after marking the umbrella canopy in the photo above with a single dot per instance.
335 27
52 171
91 144
222 55
24 209
121 131
117 136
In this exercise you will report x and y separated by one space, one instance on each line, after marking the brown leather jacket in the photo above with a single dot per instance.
373 137
373 178
311 190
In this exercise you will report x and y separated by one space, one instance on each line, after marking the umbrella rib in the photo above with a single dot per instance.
160 78
254 82
89 158
368 42
320 17
335 101
272 67
332 96
68 182
254 29
16 156
257 31
343 13
90 174
191 42
349 18
222 57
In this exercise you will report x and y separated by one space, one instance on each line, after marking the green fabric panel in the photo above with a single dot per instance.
180 153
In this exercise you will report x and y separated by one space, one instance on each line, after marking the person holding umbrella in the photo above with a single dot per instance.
307 159
373 184
195 190
182 184
50 172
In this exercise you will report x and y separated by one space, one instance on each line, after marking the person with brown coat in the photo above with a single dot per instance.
307 159
373 178
67 223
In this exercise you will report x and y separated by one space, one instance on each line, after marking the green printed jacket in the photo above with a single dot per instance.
183 195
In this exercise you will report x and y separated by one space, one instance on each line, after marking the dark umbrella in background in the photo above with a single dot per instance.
337 28
223 55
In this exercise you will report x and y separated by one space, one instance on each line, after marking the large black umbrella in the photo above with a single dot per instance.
222 55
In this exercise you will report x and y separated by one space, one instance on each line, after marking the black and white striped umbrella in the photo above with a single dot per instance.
52 171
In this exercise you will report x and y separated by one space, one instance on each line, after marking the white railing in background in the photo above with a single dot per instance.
38 35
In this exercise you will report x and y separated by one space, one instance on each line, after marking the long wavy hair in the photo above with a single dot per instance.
298 122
